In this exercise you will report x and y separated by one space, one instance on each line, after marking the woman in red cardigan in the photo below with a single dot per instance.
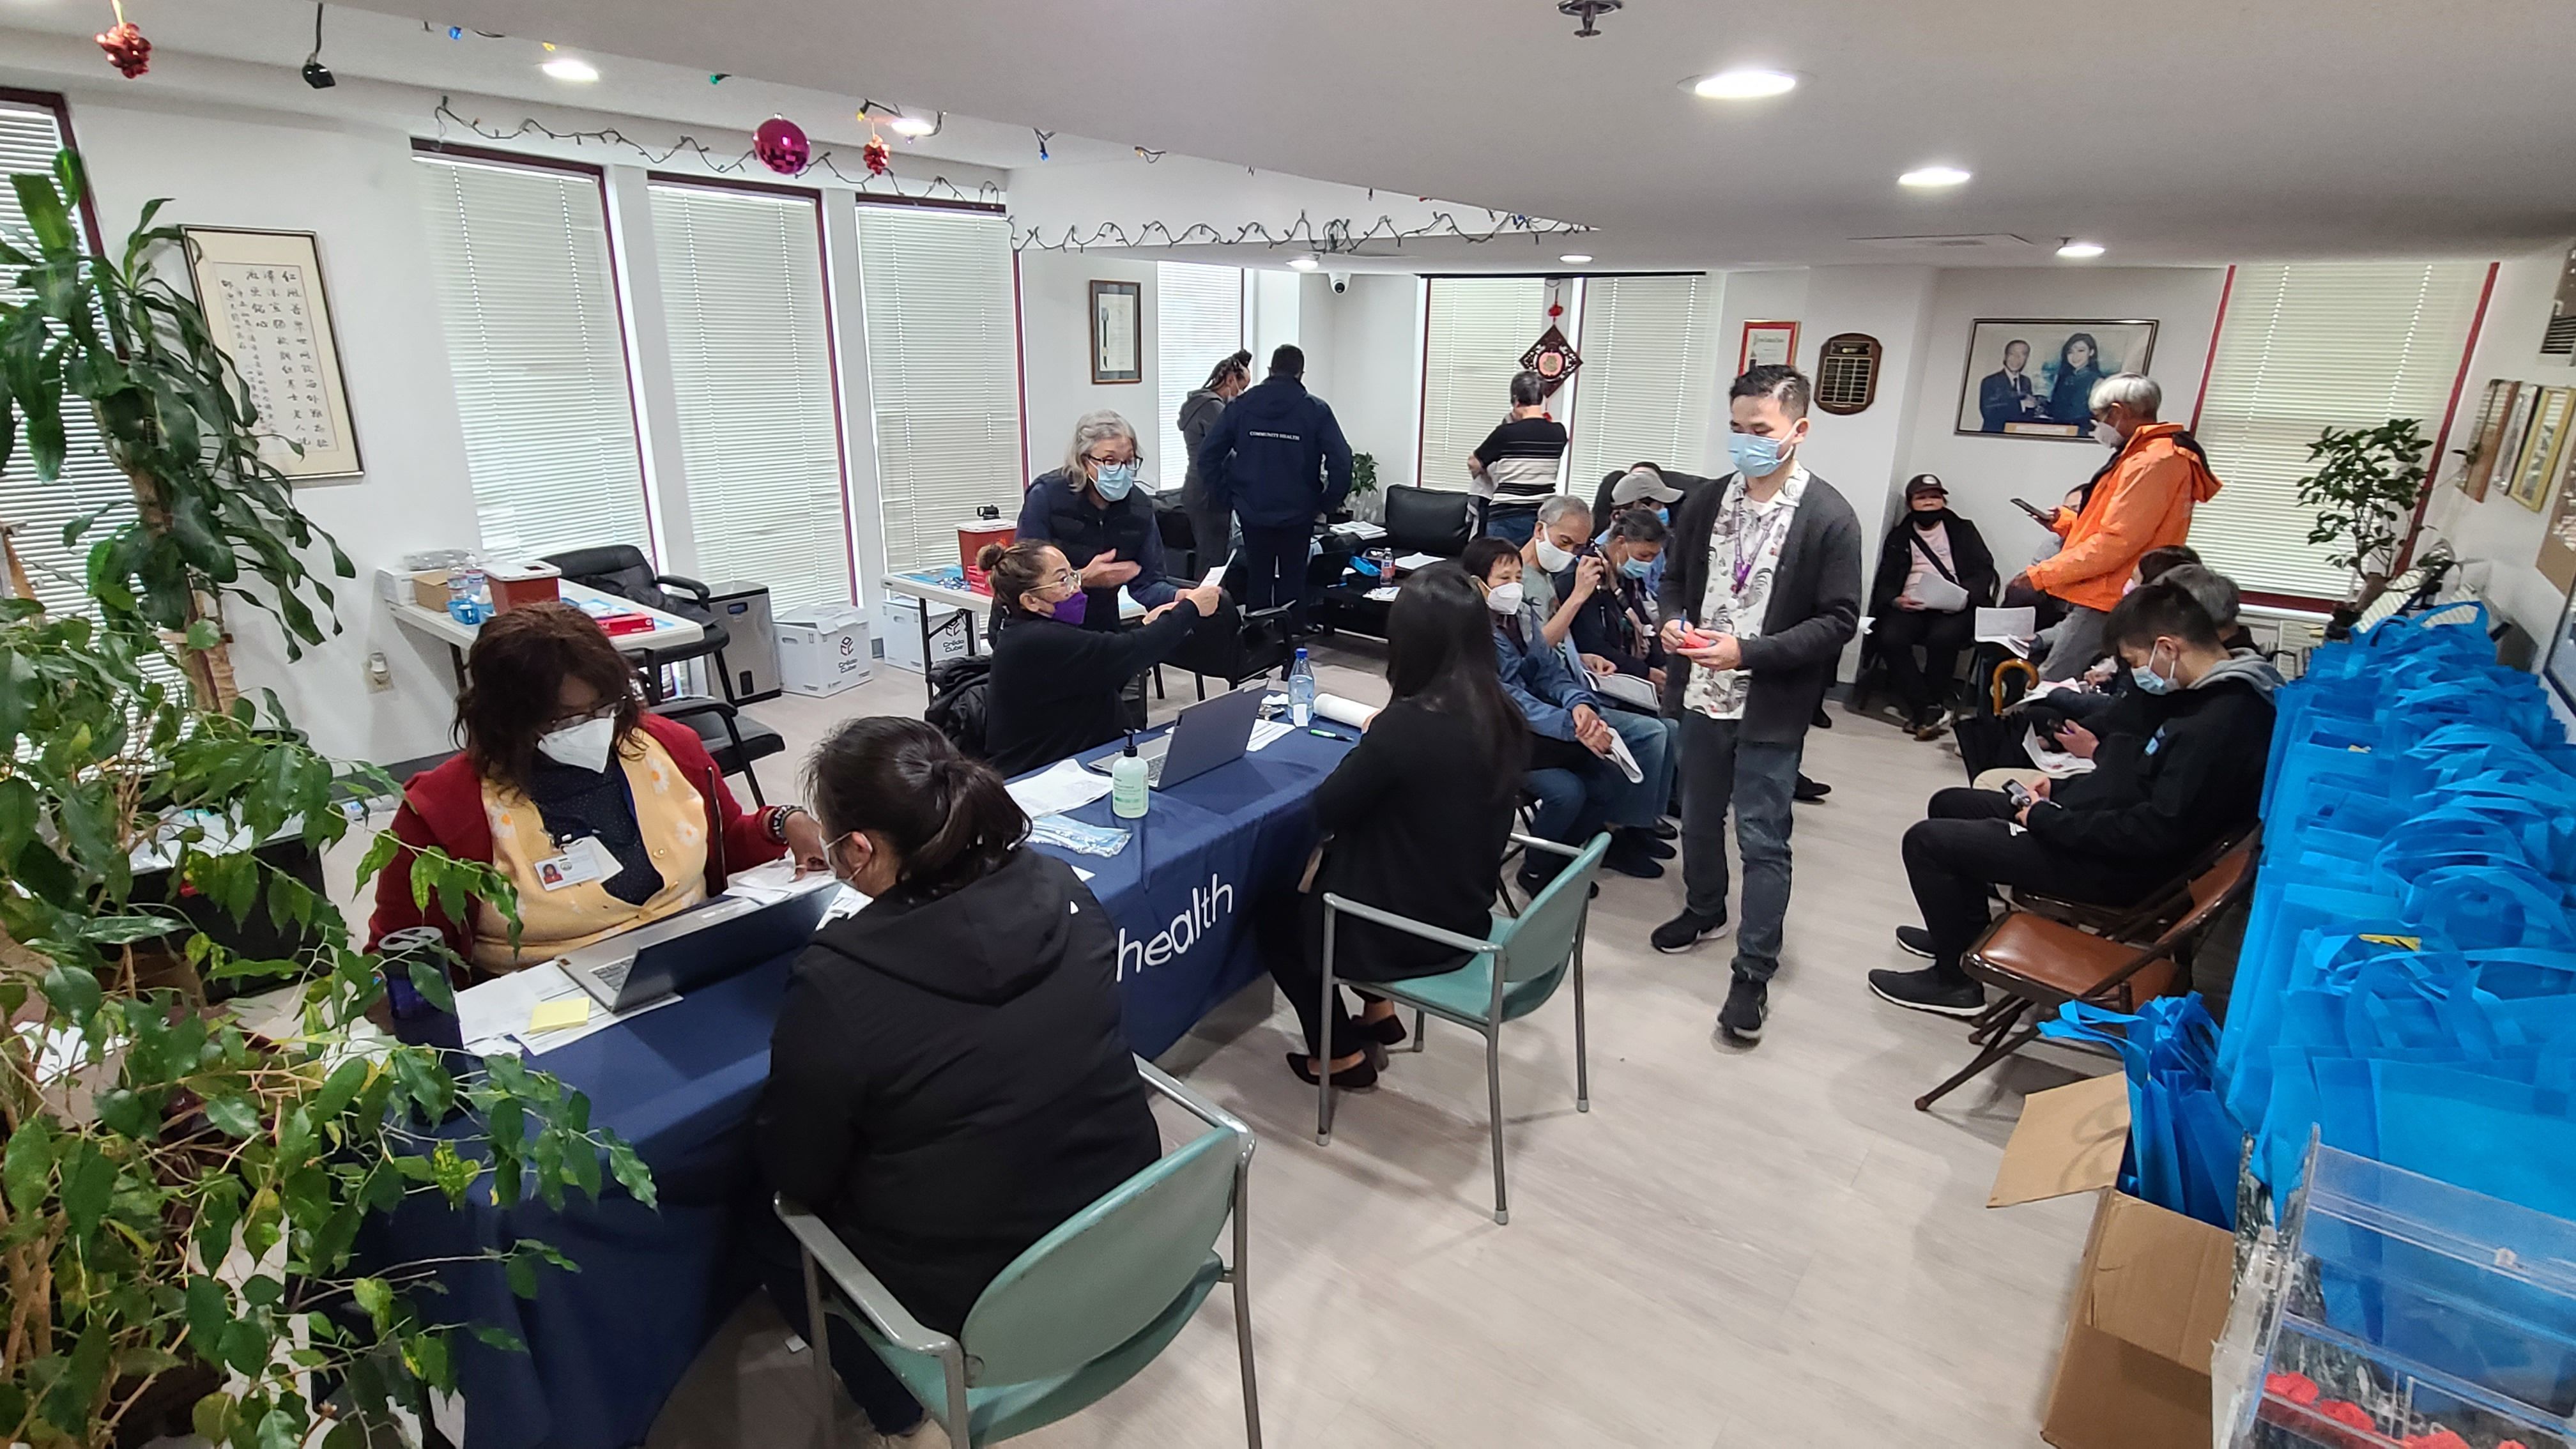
604 817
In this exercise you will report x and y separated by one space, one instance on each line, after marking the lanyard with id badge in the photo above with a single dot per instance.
581 859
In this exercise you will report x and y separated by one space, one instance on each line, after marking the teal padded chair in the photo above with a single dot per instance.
1078 1314
1505 977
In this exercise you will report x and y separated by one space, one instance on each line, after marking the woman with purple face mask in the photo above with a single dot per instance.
1054 689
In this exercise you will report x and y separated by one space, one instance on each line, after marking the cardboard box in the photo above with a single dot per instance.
899 632
2152 1293
823 653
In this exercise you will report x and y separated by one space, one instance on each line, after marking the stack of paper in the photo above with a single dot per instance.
1060 787
533 1011
1359 530
1413 561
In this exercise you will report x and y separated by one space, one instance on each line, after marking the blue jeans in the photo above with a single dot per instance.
1757 781
1515 524
1652 740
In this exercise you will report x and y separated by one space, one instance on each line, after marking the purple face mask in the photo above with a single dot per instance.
1070 610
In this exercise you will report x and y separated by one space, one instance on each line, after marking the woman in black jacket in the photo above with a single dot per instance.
948 1081
1211 527
1054 688
1416 820
1929 550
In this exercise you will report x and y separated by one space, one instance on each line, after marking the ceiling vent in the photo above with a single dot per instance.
1993 241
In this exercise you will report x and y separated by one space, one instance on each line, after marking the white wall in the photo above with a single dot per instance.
353 186
2499 531
1983 471
1055 355
1371 371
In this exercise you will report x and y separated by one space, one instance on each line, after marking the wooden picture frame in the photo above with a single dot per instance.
2537 467
268 308
2557 557
2050 397
1766 343
1117 332
2478 463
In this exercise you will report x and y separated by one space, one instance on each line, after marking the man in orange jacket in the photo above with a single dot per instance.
2142 499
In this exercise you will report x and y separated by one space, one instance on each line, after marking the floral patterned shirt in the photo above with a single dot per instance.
1743 559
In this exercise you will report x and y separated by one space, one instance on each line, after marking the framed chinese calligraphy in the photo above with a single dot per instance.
266 306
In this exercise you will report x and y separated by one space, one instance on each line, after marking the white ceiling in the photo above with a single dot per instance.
2169 130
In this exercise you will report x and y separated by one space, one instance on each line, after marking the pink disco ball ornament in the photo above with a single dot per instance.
781 146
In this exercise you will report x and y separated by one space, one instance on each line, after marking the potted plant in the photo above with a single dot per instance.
2368 492
180 1195
1364 500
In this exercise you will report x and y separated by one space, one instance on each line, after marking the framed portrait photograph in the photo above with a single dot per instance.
1117 332
2033 377
2538 466
267 309
2479 462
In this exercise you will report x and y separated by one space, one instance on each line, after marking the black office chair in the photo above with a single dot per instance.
1234 646
731 737
1429 520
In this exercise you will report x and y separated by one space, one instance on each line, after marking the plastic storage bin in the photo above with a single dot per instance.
2399 1312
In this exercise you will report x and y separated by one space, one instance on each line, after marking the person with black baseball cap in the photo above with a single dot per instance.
1934 573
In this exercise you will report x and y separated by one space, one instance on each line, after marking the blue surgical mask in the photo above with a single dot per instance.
1664 516
1114 479
1755 457
2144 676
1637 568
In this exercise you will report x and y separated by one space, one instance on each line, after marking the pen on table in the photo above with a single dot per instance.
1328 734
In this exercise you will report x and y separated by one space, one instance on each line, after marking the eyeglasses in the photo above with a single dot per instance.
1100 462
605 710
1061 579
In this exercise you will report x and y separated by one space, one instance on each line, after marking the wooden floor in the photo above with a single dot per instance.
1750 1249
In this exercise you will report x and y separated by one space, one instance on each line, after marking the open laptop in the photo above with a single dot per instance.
1208 734
724 937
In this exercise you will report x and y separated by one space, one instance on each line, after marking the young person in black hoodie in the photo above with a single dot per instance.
1054 686
948 1081
2198 778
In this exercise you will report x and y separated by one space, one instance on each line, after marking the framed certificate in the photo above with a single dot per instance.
1117 332
267 308
1766 344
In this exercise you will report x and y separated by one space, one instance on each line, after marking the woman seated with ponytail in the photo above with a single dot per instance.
1054 687
948 1081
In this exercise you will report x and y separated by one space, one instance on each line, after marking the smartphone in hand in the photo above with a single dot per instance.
2027 507
2019 794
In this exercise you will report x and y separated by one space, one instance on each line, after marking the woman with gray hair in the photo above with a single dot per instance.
1091 510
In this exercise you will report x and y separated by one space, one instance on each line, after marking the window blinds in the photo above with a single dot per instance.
943 366
538 352
2302 347
1477 330
1198 322
1646 379
760 435
29 137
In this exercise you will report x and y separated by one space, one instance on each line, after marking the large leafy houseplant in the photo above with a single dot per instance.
180 1194
2367 492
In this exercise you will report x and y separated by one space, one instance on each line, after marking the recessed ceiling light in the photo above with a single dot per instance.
2077 251
1743 84
1929 177
565 68
915 126
1303 263
1575 259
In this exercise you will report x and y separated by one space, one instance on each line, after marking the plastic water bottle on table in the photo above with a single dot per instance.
1301 691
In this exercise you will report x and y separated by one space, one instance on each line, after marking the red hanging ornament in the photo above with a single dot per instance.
126 48
878 155
781 146
1556 309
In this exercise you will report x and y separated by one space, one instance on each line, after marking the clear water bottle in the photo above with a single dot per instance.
1301 691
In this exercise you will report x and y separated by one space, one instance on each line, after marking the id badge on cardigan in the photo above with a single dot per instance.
584 859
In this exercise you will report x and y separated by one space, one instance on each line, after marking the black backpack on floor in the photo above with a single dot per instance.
957 690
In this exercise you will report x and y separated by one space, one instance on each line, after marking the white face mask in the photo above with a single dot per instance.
2108 436
1504 598
584 746
1551 558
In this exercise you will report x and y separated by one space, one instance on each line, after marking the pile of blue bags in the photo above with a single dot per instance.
2407 986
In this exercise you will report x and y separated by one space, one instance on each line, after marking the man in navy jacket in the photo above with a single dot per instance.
1277 459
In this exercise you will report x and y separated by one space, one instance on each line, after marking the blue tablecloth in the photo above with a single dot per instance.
609 1343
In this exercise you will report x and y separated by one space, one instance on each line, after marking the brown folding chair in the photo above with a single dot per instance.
2040 965
2137 924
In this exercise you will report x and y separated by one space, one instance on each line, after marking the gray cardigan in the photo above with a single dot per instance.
1813 613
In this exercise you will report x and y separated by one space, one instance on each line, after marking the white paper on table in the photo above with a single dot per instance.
2003 626
1344 711
1266 731
1360 529
1382 594
775 881
2055 764
1627 688
1062 786
1413 561
492 1016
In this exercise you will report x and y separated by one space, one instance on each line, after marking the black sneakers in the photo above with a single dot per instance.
1747 1002
1809 791
1924 990
1686 930
1632 857
1915 939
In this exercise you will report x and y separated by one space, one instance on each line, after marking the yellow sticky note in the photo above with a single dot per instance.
558 1014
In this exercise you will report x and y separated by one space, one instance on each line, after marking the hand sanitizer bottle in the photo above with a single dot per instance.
1127 783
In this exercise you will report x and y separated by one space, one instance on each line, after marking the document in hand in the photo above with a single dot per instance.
1627 689
1626 762
1997 626
1940 595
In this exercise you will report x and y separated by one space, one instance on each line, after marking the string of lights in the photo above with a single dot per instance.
714 161
1332 237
